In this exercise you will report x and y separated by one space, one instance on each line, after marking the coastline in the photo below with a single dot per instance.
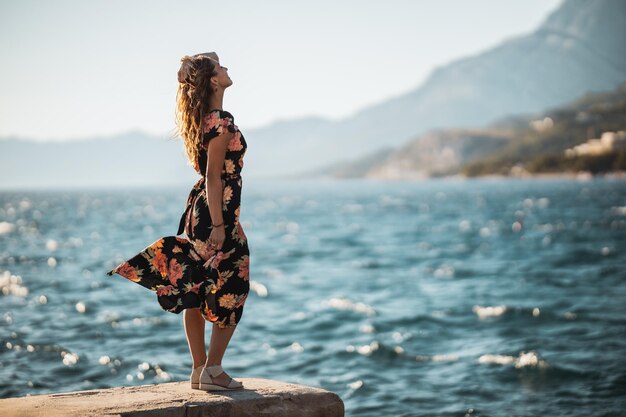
581 176
578 176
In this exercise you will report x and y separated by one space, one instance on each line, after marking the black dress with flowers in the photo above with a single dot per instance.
186 272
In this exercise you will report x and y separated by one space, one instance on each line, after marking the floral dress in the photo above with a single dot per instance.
186 272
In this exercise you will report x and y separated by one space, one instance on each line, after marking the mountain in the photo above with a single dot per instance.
513 145
588 135
440 153
576 50
130 159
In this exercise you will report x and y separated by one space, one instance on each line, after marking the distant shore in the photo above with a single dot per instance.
582 176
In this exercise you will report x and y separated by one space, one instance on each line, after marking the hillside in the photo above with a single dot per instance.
515 145
578 49
541 147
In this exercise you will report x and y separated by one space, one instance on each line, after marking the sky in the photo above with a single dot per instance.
73 70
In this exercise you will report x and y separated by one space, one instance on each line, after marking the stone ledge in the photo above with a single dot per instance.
260 397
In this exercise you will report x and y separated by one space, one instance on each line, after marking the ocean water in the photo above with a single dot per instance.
482 297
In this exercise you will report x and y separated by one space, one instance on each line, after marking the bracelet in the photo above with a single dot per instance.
217 225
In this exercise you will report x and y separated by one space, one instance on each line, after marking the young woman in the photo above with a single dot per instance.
205 273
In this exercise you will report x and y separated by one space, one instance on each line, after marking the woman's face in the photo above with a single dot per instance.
221 74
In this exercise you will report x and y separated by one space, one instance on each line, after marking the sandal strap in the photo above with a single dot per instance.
214 370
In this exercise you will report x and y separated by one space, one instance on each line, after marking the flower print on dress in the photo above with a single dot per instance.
187 272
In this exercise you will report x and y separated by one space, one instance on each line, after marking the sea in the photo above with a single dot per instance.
440 297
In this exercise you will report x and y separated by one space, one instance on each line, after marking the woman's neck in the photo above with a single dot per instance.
216 100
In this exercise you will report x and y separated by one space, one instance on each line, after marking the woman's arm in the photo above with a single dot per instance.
216 152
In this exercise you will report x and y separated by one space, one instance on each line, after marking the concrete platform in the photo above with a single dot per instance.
260 397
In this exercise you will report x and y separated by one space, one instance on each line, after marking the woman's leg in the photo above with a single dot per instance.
194 329
219 343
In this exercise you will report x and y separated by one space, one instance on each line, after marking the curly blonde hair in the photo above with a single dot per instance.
192 102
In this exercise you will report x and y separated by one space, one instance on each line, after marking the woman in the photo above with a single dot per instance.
206 273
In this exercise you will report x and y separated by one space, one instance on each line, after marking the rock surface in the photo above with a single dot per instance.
260 397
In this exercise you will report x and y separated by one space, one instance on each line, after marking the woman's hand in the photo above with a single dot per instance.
216 239
211 55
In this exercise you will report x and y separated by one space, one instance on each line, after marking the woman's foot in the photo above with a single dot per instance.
222 379
213 378
195 377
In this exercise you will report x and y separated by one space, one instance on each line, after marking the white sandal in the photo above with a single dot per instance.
195 377
206 380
